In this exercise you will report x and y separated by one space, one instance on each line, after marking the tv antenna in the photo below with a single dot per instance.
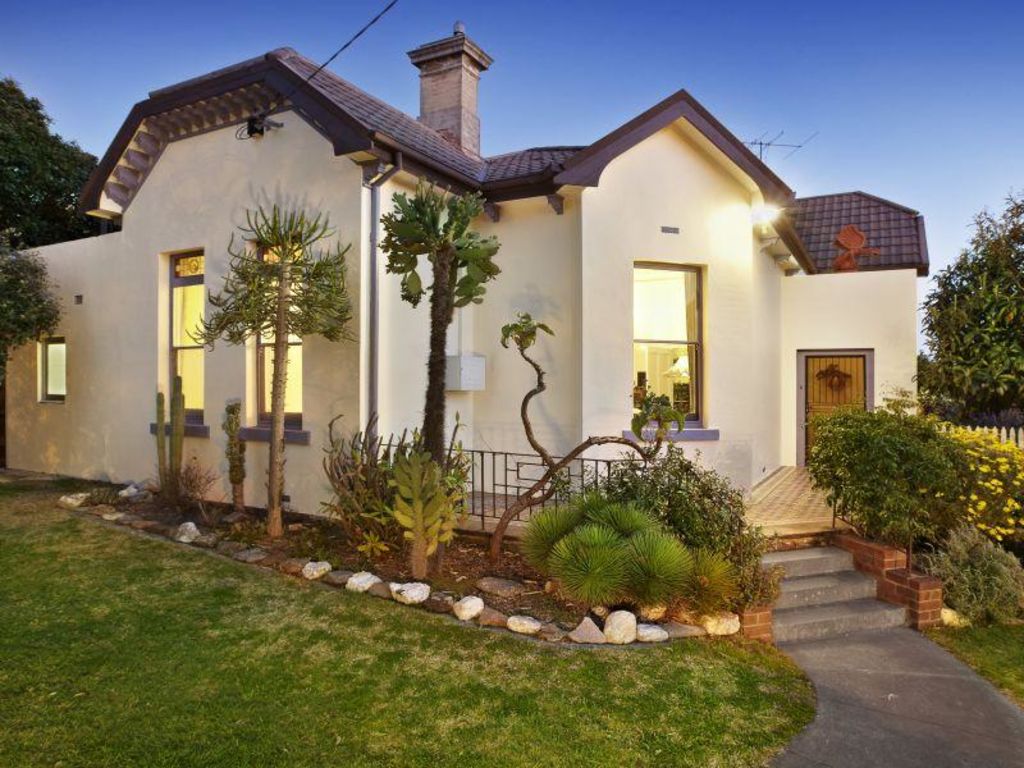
761 145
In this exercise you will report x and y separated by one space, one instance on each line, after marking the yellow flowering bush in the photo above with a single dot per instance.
993 491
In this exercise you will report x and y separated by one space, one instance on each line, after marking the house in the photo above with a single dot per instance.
666 256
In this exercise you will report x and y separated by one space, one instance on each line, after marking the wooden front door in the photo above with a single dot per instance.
832 381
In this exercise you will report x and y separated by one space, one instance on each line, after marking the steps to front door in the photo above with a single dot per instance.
824 596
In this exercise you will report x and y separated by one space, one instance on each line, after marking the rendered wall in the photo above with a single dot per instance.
850 310
669 180
195 197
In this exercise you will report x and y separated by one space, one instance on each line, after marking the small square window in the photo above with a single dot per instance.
54 370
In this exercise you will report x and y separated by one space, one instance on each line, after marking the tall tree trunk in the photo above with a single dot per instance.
238 497
275 480
440 317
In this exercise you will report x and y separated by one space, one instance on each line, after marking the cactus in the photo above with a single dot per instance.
234 451
161 441
168 460
423 507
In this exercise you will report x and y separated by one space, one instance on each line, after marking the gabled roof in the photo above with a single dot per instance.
897 232
357 123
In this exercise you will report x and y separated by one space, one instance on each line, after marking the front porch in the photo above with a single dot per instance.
786 504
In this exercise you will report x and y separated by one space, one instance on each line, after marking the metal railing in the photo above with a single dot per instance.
498 478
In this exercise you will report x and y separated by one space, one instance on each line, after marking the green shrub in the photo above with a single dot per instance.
544 531
625 519
893 474
591 564
703 509
980 580
658 567
711 584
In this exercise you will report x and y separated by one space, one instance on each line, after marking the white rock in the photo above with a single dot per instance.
468 608
187 533
721 623
316 569
362 581
74 500
951 618
412 593
620 627
524 625
129 490
112 516
650 633
652 612
600 611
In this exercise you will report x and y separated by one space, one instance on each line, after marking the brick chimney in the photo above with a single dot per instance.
449 74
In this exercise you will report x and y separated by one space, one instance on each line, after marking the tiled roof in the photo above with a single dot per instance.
895 231
378 116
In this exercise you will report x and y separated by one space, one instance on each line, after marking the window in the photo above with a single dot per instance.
188 302
265 375
293 385
667 335
54 370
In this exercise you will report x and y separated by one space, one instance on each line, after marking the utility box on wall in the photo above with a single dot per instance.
465 373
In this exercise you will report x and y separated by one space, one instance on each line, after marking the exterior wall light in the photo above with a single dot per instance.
764 214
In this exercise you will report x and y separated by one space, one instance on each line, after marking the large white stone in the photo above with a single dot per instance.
468 608
724 623
412 593
650 633
187 533
316 569
74 500
620 627
362 581
524 625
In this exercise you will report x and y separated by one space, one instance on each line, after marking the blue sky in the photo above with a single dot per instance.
920 103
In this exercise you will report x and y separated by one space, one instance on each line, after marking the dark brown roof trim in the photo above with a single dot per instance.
585 168
784 228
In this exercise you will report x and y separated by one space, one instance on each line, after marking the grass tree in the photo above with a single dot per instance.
282 281
435 226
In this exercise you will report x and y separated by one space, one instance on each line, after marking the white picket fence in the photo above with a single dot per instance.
1013 435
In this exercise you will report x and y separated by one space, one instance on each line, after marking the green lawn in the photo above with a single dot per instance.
119 650
995 652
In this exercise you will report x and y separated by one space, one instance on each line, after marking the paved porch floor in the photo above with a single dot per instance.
785 504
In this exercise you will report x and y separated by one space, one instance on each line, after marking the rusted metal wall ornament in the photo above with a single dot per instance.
834 378
851 242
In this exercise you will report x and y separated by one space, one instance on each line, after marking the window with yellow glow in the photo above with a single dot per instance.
188 303
54 373
667 335
293 383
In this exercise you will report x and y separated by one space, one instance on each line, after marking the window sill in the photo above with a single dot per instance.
685 435
262 435
191 430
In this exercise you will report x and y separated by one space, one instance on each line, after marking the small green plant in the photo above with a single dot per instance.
169 447
658 567
234 452
980 580
106 496
591 564
424 507
711 584
545 529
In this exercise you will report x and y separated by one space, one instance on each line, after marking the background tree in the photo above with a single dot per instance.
29 308
41 175
280 283
435 225
974 318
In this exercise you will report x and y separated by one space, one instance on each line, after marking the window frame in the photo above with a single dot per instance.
292 420
44 380
696 418
192 415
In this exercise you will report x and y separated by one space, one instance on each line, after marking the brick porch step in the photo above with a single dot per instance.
812 561
825 588
821 621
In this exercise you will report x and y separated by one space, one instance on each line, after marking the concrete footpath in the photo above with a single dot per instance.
894 698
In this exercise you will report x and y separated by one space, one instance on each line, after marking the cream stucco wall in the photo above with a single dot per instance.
195 197
875 311
669 180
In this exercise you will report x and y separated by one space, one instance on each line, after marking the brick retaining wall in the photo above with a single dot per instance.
756 623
